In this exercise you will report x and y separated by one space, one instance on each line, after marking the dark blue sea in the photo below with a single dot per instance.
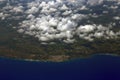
98 67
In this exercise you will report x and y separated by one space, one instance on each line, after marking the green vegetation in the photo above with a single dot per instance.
14 45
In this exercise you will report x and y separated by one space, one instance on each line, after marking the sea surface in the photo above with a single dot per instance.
97 67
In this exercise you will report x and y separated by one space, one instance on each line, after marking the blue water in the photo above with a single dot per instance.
95 68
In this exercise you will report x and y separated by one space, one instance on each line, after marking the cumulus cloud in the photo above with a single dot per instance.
94 2
116 18
3 15
49 20
86 28
1 0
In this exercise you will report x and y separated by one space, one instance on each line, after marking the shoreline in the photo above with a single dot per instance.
47 61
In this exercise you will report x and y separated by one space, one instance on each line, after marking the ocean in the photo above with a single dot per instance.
97 67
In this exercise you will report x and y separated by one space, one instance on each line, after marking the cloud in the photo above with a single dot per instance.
3 15
2 0
95 2
116 18
32 10
86 28
50 20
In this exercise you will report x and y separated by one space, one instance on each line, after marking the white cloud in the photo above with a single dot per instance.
61 27
17 9
86 28
32 10
64 7
2 0
94 2
3 15
59 19
116 18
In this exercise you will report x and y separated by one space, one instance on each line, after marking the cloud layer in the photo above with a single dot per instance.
50 20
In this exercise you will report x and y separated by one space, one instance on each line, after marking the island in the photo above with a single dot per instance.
80 32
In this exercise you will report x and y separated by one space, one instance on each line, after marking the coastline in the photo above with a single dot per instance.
49 61
96 67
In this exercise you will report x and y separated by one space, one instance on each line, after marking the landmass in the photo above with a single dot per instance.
19 43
